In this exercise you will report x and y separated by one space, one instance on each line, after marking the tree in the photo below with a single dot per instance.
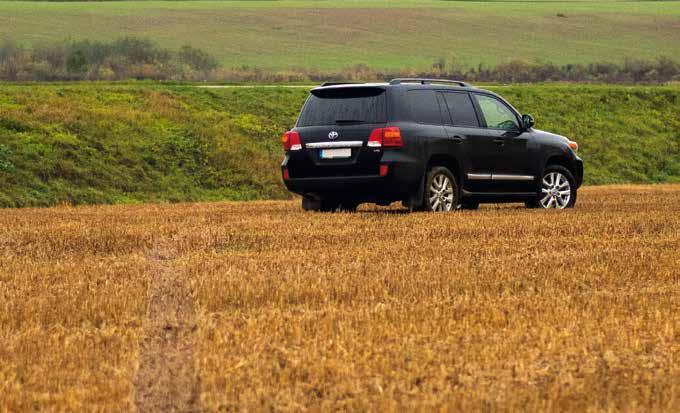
197 59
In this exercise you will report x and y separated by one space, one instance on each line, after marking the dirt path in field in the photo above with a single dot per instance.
166 379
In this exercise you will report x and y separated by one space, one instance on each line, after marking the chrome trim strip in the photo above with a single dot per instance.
479 177
336 144
508 177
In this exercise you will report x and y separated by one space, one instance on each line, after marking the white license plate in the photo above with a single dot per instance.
336 153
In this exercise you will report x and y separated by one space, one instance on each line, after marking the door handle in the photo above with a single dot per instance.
499 141
457 139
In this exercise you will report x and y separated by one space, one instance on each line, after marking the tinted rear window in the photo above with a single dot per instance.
461 109
424 107
354 105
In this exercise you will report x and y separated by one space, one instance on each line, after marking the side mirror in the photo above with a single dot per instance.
527 121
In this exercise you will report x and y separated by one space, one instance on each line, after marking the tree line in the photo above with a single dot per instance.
121 59
135 58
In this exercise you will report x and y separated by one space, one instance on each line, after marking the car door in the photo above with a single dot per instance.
463 127
424 124
509 154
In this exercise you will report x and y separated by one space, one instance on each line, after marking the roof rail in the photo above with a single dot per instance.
424 81
338 83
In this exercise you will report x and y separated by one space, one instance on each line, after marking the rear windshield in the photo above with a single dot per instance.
344 106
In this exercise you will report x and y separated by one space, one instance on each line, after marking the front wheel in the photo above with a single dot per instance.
441 190
558 189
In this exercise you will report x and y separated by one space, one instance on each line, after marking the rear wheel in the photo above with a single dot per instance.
319 205
441 190
310 204
328 205
348 206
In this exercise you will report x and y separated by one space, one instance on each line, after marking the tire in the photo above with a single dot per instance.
557 189
469 205
311 204
327 205
348 206
532 204
441 191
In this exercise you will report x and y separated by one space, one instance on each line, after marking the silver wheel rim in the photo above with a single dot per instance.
555 191
441 194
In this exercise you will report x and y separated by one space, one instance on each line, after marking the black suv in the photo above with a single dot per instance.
435 145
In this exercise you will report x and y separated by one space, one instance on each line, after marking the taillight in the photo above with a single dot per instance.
383 169
387 137
286 174
291 141
392 137
376 138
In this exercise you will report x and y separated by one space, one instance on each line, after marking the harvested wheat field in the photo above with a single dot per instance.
260 306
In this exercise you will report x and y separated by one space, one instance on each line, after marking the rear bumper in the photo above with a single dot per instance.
400 182
338 184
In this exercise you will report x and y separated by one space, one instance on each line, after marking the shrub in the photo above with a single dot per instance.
197 59
134 58
120 59
5 164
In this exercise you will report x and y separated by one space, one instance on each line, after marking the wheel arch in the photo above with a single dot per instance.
560 160
437 159
448 161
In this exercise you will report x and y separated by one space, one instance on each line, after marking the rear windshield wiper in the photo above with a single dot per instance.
349 121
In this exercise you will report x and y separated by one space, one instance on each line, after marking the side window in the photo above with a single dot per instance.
496 113
424 107
461 109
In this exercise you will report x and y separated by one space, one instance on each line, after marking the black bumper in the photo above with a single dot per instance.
578 171
400 182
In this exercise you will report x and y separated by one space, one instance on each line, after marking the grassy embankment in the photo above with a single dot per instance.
386 35
100 143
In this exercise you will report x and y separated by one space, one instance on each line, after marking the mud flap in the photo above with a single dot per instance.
415 203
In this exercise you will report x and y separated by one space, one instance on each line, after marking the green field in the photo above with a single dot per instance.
125 143
330 35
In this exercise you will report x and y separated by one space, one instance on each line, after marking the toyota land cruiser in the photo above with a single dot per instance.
435 145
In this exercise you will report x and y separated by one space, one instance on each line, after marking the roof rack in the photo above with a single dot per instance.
338 83
424 81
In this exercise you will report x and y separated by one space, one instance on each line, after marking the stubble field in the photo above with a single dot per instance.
262 306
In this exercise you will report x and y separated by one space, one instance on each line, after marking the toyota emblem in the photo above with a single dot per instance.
333 135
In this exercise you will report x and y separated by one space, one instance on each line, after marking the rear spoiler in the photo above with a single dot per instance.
339 83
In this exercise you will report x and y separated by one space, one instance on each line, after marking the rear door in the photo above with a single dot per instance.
463 128
422 126
334 126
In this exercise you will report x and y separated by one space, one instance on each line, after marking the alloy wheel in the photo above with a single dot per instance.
555 191
441 193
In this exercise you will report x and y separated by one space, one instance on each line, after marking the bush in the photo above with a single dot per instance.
125 58
134 58
197 59
5 164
